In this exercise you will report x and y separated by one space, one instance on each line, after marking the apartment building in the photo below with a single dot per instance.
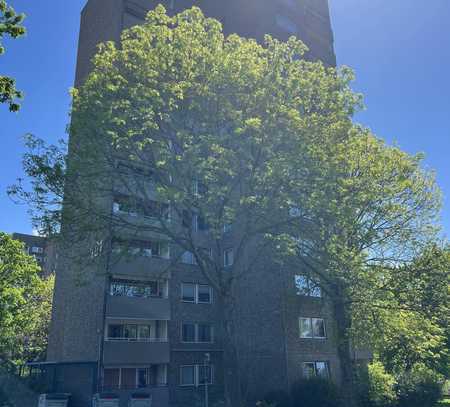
42 249
150 322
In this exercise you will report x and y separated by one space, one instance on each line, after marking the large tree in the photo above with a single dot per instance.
241 136
25 304
10 25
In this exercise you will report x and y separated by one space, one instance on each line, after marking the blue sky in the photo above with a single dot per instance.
399 49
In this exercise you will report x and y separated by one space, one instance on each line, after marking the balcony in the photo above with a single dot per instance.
142 267
153 308
123 352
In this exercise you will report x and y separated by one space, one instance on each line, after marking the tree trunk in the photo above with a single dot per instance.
343 323
232 378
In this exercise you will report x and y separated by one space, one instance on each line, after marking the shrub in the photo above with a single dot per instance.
420 387
278 398
315 392
380 386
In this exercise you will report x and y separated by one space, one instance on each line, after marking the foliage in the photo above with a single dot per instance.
10 24
263 131
278 398
376 387
25 304
419 387
315 392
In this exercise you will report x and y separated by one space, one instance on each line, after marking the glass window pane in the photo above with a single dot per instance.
111 378
188 375
308 369
204 294
128 378
115 331
305 328
188 334
322 369
228 258
142 378
130 332
318 325
204 374
301 285
204 333
144 332
188 292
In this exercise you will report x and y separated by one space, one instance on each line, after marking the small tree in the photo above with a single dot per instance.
25 304
10 24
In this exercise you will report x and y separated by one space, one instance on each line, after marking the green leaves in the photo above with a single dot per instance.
25 304
10 24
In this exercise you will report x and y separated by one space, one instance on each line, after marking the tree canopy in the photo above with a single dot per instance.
25 304
10 25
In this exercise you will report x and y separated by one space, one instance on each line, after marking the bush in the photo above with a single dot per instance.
376 386
420 387
278 398
315 392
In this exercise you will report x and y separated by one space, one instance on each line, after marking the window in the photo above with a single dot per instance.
128 288
188 375
188 292
196 293
196 333
228 257
313 369
204 374
153 331
198 188
134 378
188 258
196 375
142 248
307 287
204 333
312 328
194 221
204 294
134 206
111 378
286 24
227 227
188 332
37 250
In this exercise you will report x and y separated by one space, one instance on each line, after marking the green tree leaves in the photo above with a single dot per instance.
25 304
11 25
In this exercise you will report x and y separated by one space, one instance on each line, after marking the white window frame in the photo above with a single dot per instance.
196 368
197 293
311 324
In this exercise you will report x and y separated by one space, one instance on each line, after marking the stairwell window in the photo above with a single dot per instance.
312 328
228 258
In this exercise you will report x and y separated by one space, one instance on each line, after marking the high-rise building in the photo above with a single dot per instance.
149 324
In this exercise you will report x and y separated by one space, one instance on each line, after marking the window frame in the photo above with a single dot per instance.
196 287
311 325
315 363
196 375
196 332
